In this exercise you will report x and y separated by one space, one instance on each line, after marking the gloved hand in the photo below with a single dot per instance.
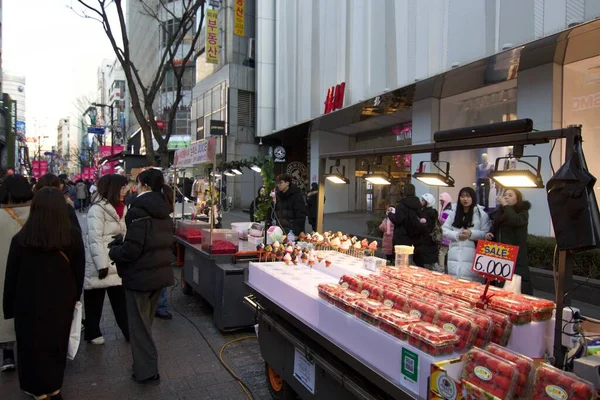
423 221
117 240
102 273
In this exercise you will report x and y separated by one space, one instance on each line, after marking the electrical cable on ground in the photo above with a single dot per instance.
219 356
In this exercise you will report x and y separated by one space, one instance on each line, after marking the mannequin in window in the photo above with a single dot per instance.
483 181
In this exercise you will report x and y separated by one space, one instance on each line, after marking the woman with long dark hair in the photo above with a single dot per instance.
143 260
105 220
510 227
51 180
44 278
465 225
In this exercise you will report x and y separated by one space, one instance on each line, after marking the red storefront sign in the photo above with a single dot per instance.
109 167
335 98
39 168
161 124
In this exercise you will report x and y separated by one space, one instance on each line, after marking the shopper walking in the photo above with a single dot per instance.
387 227
44 278
511 220
427 249
82 195
290 207
405 218
15 198
105 220
445 210
143 260
466 224
51 180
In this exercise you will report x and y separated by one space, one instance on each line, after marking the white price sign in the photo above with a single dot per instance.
304 371
495 260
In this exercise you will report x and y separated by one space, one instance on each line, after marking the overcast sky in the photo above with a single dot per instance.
57 51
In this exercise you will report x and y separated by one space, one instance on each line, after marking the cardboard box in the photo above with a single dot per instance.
444 382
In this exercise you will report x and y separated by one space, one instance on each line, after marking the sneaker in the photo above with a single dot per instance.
98 341
153 380
166 315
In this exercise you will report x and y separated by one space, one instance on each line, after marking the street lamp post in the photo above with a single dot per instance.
112 126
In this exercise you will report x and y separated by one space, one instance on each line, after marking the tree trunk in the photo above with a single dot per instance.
163 153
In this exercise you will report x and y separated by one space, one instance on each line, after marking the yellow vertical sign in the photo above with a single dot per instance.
212 36
238 28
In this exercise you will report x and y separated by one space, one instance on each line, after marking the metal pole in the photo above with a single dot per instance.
321 198
112 130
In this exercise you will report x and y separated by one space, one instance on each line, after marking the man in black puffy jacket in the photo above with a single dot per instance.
290 208
143 261
407 227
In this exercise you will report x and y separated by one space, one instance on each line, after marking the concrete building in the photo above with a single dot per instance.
14 86
409 68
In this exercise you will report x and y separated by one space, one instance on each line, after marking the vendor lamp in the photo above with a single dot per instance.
256 168
439 178
228 173
236 171
337 177
377 178
519 178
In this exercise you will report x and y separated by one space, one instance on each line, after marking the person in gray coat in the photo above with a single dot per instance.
82 194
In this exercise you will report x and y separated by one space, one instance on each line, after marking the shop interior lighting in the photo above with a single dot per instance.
438 177
519 178
236 171
337 177
256 168
378 178
228 173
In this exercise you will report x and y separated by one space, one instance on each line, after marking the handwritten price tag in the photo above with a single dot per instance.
495 260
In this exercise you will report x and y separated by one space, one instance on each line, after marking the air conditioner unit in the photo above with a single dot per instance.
251 48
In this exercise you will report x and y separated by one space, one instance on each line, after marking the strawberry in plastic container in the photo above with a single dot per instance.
502 326
484 322
462 326
371 291
391 321
327 290
524 365
345 299
395 300
425 293
551 383
542 308
351 283
518 311
490 373
367 309
430 338
423 308
454 302
223 247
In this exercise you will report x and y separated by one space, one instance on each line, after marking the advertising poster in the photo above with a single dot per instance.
212 36
238 27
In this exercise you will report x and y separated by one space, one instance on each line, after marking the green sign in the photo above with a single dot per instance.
410 365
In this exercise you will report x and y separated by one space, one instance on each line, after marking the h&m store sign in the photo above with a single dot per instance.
335 98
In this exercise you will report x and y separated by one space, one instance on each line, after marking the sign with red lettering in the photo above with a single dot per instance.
39 168
495 260
335 98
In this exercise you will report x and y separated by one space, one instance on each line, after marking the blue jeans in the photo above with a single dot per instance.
162 302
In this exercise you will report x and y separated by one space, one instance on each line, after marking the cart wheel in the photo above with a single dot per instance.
278 388
185 288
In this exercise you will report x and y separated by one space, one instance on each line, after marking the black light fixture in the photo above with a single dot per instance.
381 177
519 178
439 178
337 177
228 172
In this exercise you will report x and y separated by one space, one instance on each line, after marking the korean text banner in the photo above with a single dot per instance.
212 36
238 27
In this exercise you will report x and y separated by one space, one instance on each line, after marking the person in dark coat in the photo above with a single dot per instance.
426 254
290 208
44 278
312 202
143 260
510 227
261 197
405 217
51 180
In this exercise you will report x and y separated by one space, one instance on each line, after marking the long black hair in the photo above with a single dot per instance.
464 220
15 190
48 226
47 180
155 180
109 189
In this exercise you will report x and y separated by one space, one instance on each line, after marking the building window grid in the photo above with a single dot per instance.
210 105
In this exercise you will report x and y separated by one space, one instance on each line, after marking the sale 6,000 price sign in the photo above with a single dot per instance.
495 260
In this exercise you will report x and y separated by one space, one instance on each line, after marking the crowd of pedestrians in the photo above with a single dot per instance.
47 262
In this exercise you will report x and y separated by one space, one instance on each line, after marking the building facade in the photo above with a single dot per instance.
14 86
403 70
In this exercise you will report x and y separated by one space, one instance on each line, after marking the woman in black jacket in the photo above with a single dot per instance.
143 261
407 229
510 227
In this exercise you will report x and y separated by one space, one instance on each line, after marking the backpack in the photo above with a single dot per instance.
437 234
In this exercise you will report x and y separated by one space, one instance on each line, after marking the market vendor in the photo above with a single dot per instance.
290 208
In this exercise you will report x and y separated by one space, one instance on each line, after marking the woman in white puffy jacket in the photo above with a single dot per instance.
466 224
105 220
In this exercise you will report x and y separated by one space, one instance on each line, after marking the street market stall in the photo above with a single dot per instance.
333 323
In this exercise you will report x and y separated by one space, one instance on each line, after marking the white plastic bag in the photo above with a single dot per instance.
513 286
75 336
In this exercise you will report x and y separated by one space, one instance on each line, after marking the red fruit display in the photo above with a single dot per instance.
222 247
470 295
416 279
542 308
394 299
371 291
191 235
441 286
524 365
502 326
345 299
462 326
490 373
425 293
367 309
423 308
518 311
430 338
327 290
484 322
391 321
454 302
551 383
351 283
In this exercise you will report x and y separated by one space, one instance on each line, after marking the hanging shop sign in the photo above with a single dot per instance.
335 98
161 124
39 168
212 36
198 153
298 172
106 151
278 153
495 260
217 128
403 134
238 27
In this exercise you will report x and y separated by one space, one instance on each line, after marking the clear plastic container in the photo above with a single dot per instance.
391 321
502 326
351 283
394 299
346 299
524 365
453 302
422 308
542 308
367 310
467 294
328 290
190 231
462 326
430 338
425 293
372 291
223 241
490 373
484 322
519 312
551 383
